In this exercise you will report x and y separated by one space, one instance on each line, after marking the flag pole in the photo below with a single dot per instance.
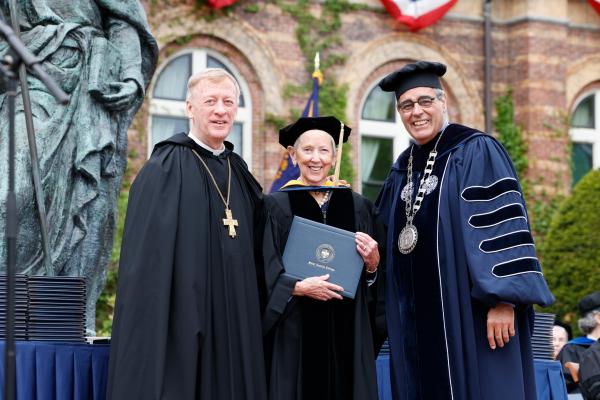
286 169
338 162
319 75
317 72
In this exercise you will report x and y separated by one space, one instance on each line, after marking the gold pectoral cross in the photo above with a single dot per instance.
229 221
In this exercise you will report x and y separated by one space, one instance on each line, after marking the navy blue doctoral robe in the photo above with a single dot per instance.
474 250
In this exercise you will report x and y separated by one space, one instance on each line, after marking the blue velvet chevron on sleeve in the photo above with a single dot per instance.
499 247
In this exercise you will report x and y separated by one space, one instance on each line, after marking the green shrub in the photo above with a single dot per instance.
106 302
510 134
572 248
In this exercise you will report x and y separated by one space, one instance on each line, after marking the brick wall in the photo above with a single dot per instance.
546 51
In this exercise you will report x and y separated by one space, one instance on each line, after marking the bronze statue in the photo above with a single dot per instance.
102 54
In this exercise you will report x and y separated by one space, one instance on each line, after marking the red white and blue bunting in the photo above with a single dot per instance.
418 14
218 4
596 5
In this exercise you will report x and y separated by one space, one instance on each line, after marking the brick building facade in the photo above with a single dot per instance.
547 51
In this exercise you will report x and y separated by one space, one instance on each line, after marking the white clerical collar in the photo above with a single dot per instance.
205 146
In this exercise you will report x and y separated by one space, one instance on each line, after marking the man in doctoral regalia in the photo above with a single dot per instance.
187 319
462 272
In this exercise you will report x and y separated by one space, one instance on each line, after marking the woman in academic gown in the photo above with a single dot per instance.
320 345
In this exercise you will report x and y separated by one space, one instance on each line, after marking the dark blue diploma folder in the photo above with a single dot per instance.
315 249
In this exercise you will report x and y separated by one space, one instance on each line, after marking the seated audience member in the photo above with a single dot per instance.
589 372
589 324
561 334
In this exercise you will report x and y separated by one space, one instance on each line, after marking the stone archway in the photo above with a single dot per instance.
387 50
580 76
243 38
255 61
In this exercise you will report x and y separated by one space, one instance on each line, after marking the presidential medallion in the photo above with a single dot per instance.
407 240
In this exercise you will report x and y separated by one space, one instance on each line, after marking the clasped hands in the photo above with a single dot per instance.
319 288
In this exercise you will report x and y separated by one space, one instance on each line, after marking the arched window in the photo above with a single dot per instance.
167 104
383 137
585 135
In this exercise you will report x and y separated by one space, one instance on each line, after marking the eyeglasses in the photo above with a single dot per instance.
408 105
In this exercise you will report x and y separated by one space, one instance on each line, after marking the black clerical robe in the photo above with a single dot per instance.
187 318
316 349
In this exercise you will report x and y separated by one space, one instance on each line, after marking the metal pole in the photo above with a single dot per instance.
11 243
487 11
19 54
33 153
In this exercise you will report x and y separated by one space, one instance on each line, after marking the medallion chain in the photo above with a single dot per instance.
407 240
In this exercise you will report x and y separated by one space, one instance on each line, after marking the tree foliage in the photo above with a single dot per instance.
321 34
541 208
572 251
106 302
510 134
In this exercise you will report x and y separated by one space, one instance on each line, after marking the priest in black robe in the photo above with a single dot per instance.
462 272
320 345
187 321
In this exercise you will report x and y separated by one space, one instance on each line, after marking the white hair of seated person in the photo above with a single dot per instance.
560 337
589 323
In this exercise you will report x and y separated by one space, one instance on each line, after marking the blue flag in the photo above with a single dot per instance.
287 171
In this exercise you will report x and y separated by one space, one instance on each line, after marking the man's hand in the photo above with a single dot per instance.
500 324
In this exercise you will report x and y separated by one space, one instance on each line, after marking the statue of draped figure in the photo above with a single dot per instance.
101 53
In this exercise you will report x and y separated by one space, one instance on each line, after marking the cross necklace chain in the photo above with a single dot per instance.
407 240
228 220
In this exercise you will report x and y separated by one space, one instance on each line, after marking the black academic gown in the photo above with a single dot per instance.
573 352
474 249
318 350
187 317
589 372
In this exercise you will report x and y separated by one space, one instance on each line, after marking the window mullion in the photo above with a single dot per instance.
596 111
584 135
596 133
198 61
167 108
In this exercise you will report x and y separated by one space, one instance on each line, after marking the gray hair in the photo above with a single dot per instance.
441 95
588 323
213 75
333 146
